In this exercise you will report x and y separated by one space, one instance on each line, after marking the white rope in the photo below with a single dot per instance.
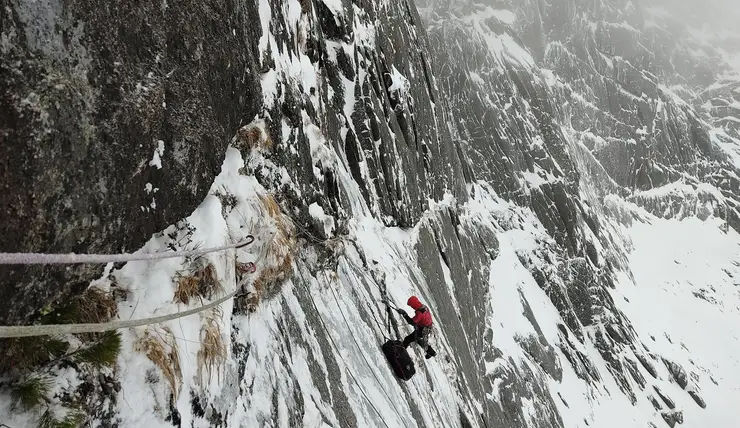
48 259
59 329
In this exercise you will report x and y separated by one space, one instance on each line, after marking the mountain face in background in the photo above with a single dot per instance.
557 181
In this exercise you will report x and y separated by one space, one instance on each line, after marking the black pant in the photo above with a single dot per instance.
415 336
418 336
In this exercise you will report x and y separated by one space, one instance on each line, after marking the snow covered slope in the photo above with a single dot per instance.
558 182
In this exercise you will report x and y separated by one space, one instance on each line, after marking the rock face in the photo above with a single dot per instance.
487 137
553 107
114 122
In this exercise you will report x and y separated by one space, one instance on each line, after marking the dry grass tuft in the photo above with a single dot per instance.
92 306
202 283
96 306
253 135
277 263
270 206
187 288
160 346
212 353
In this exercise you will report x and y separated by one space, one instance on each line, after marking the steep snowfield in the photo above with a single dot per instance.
684 303
682 297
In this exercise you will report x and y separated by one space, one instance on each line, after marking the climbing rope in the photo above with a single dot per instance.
375 375
337 348
388 309
372 313
49 259
59 329
382 287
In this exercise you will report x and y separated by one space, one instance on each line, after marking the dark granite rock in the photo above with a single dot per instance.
672 417
697 399
90 92
677 372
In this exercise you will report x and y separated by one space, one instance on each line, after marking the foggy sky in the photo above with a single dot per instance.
699 13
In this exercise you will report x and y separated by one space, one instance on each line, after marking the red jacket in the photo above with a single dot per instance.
422 316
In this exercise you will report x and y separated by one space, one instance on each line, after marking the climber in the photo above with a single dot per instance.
422 322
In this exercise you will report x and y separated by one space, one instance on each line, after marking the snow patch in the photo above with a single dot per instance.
157 157
684 296
399 83
325 220
335 6
475 77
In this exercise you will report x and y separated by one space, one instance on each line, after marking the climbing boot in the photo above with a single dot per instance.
430 353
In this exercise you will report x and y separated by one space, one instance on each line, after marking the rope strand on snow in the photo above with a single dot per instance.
59 329
49 259
336 299
362 391
353 279
383 288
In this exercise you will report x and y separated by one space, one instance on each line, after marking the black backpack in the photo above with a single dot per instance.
399 359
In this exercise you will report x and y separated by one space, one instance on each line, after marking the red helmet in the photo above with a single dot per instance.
414 302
